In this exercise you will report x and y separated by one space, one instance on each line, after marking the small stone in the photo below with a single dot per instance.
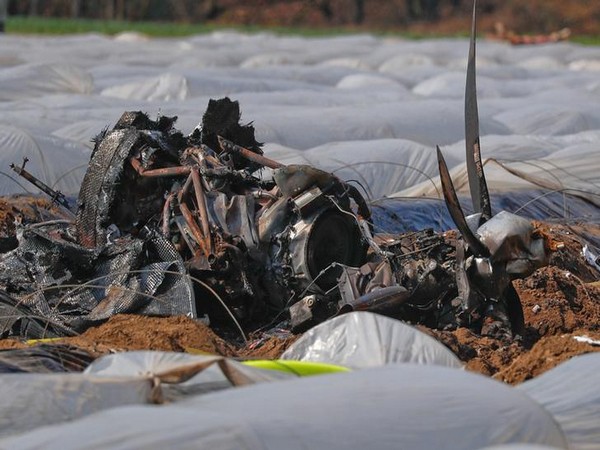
536 309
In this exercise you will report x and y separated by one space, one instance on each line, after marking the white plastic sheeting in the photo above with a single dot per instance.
554 163
184 374
363 339
391 407
34 400
349 103
571 393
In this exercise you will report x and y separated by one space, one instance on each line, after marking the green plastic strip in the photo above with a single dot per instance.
299 368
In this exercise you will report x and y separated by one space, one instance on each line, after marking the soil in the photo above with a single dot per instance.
130 332
11 344
267 347
126 332
560 302
25 209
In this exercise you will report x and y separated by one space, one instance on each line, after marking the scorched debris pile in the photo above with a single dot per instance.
204 224
155 206
253 242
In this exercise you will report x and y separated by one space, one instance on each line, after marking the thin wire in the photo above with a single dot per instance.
392 163
369 239
521 175
557 167
357 172
582 284
88 284
362 187
439 210
553 191
287 304
16 181
211 290
67 173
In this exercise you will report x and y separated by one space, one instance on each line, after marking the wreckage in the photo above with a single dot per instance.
205 224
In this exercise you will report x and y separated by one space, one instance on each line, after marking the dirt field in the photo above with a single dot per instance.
560 302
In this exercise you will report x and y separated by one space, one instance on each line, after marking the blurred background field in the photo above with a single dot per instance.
411 18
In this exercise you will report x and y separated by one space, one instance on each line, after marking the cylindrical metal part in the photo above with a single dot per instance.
157 173
166 215
202 211
384 300
229 146
189 219
185 189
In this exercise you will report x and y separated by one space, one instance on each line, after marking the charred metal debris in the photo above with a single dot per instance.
205 224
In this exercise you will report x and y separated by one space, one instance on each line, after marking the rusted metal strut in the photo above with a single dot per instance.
55 195
230 147
202 235
157 173
202 211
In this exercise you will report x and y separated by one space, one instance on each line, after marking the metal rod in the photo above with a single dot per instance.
185 189
229 146
55 195
196 232
202 211
384 300
157 173
167 215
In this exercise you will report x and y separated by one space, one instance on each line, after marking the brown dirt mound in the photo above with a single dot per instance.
30 209
11 344
174 334
130 332
267 348
547 353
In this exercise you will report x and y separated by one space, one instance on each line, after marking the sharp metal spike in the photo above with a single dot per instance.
477 184
455 210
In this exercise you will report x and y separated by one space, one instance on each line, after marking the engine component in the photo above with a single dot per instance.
260 244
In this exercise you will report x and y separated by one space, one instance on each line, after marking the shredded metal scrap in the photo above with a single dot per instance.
152 199
61 288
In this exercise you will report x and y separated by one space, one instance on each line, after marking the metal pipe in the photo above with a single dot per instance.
166 214
157 173
385 300
196 232
264 194
185 189
56 196
229 146
202 211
